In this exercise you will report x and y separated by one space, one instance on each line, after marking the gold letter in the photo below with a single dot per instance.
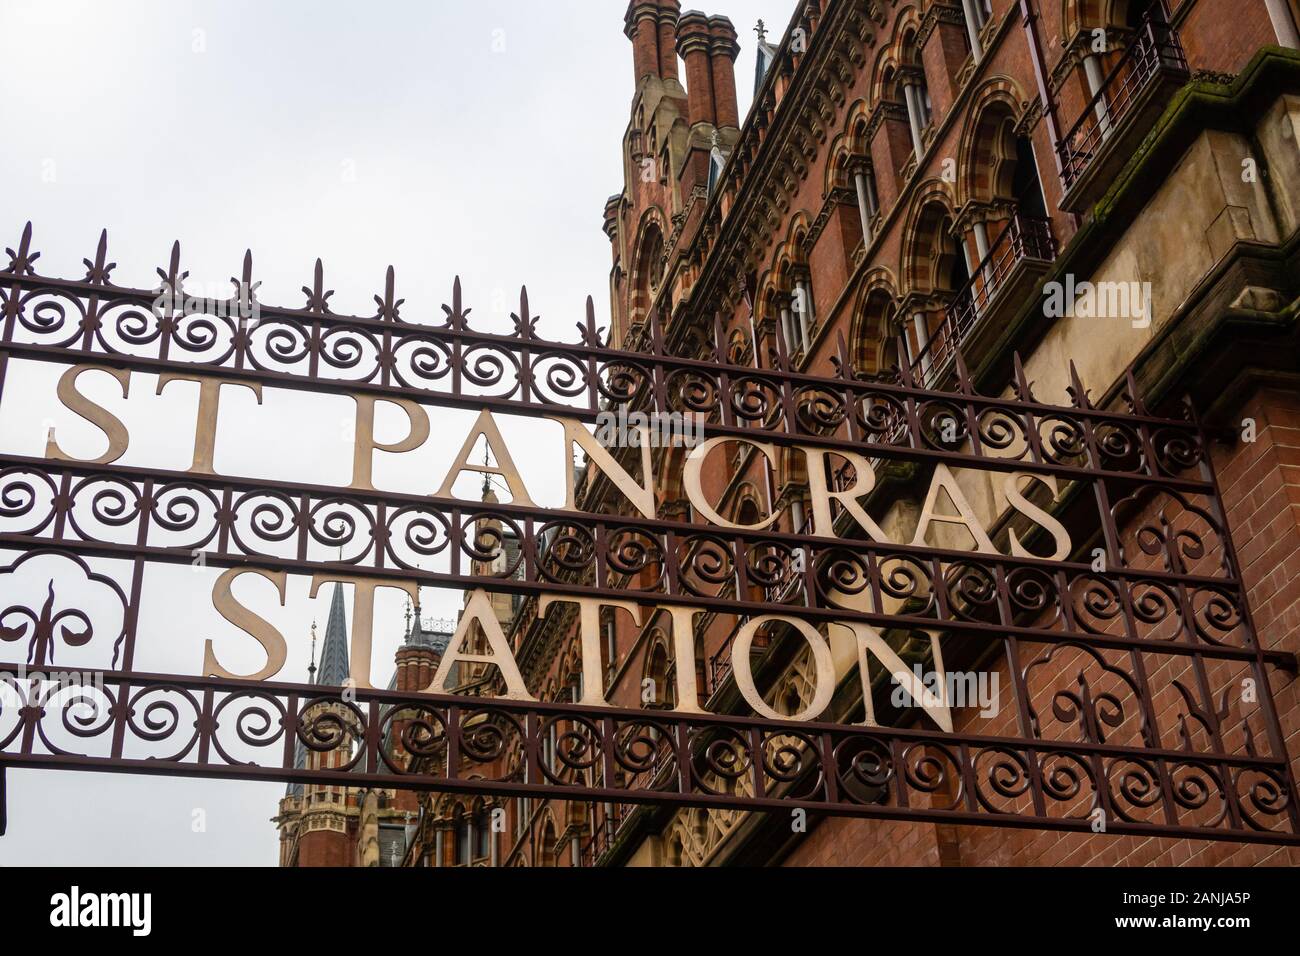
363 617
744 674
364 440
869 639
691 481
485 425
688 694
593 680
1034 513
106 421
205 428
272 641
479 609
641 496
822 496
944 480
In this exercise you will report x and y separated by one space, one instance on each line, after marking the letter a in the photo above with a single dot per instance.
479 611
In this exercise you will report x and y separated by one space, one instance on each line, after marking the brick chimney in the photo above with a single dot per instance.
669 11
641 24
694 43
723 51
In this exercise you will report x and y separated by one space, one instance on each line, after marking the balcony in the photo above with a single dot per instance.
1016 261
1115 120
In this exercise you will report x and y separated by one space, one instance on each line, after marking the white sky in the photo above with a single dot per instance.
478 139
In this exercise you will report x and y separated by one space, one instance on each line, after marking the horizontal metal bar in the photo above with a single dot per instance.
786 438
970 629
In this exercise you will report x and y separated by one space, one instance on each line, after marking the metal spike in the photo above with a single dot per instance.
589 332
964 384
1023 389
97 272
904 366
719 341
846 369
1076 391
1134 395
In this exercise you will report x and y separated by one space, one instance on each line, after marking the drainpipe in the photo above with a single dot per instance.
1279 12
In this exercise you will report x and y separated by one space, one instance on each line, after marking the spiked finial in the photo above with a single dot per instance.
456 312
525 322
317 296
20 262
389 305
97 272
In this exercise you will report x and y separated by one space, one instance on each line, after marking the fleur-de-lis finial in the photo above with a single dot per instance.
389 306
245 287
317 297
761 29
173 279
525 322
20 262
456 312
97 272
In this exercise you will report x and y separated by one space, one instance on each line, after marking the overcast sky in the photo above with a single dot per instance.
478 139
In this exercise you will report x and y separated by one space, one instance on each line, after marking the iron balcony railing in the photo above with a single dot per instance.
1154 51
1023 238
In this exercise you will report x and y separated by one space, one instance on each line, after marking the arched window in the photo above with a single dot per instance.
546 852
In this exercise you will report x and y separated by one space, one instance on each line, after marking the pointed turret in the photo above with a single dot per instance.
334 666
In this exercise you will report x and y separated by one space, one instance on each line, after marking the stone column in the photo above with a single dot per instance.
912 96
1279 11
973 24
1092 71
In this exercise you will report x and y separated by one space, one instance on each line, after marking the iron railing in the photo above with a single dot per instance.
1153 51
1023 238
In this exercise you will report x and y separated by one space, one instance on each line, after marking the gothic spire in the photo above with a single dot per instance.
334 667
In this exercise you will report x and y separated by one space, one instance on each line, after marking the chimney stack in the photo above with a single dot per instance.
641 24
669 11
723 52
694 43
